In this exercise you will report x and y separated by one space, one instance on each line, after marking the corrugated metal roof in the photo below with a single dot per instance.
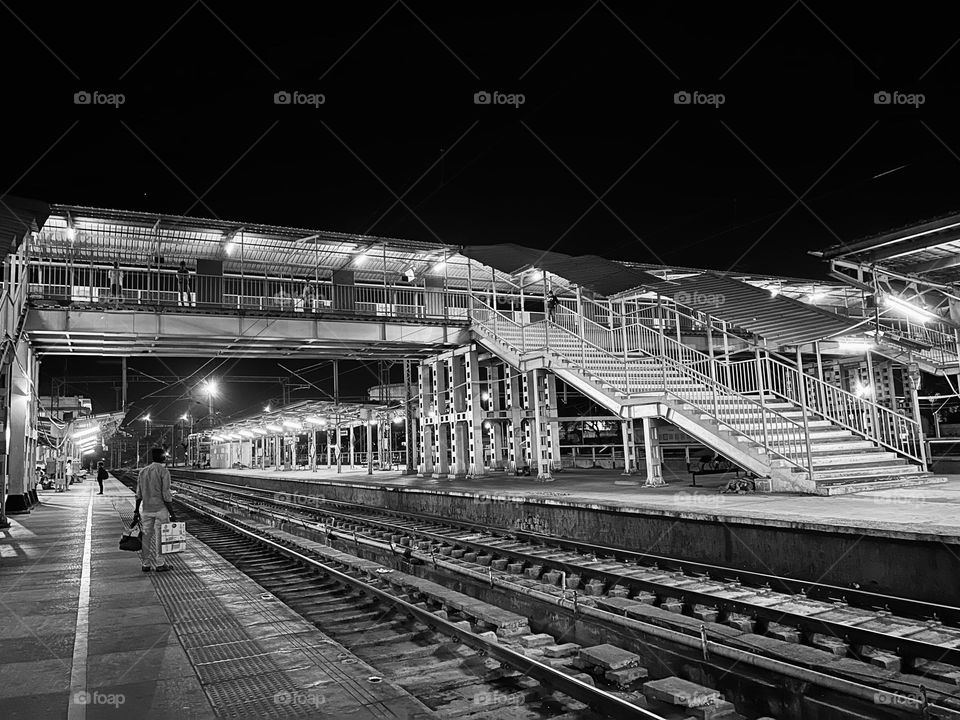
595 273
780 320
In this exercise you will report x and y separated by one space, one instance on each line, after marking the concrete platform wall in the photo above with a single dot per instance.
924 569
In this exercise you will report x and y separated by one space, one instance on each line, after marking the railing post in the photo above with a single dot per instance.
623 332
546 312
493 307
663 348
523 335
763 399
803 405
583 344
712 364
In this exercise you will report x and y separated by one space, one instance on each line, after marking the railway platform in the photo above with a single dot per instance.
903 541
86 634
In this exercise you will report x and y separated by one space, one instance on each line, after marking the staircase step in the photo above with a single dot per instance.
836 474
864 484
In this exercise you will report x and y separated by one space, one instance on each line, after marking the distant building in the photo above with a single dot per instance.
66 407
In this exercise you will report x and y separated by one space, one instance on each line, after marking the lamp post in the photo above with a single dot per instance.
210 389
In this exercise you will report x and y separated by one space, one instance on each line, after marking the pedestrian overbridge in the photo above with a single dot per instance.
753 368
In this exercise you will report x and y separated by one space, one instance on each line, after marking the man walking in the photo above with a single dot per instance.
153 492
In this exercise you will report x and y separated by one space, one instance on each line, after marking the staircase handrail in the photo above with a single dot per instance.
712 387
816 400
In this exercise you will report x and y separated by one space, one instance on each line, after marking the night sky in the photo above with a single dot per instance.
797 157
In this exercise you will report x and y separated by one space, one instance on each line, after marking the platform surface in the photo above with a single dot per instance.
86 634
929 512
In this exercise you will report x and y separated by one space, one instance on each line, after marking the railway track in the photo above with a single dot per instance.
881 630
436 657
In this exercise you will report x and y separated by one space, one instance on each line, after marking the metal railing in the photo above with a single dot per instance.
137 287
680 375
736 394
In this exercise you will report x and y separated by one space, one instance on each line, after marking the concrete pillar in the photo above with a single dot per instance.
369 447
352 450
651 451
541 452
427 449
498 431
442 464
473 396
552 428
329 448
277 453
20 426
312 450
516 440
461 448
410 430
629 446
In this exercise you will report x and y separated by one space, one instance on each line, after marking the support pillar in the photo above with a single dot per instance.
629 447
428 444
352 449
20 423
652 453
541 451
475 414
329 448
515 393
369 447
442 466
312 450
410 431
277 453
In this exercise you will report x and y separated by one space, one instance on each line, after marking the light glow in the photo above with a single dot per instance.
913 312
247 433
274 428
314 420
71 234
260 431
84 433
210 387
292 424
862 390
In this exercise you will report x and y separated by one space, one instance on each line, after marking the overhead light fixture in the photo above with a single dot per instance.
484 395
274 428
816 296
314 420
487 424
246 433
372 421
410 274
440 266
292 424
854 345
235 436
218 438
536 275
260 431
71 233
398 419
266 409
912 311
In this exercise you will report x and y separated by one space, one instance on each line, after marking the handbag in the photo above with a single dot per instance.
131 541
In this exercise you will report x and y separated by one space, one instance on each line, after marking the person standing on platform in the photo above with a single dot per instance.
68 473
102 475
183 285
59 475
153 492
116 282
308 295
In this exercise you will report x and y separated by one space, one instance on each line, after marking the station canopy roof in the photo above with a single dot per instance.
138 238
928 251
303 415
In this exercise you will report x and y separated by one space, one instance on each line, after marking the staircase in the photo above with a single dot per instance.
763 415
